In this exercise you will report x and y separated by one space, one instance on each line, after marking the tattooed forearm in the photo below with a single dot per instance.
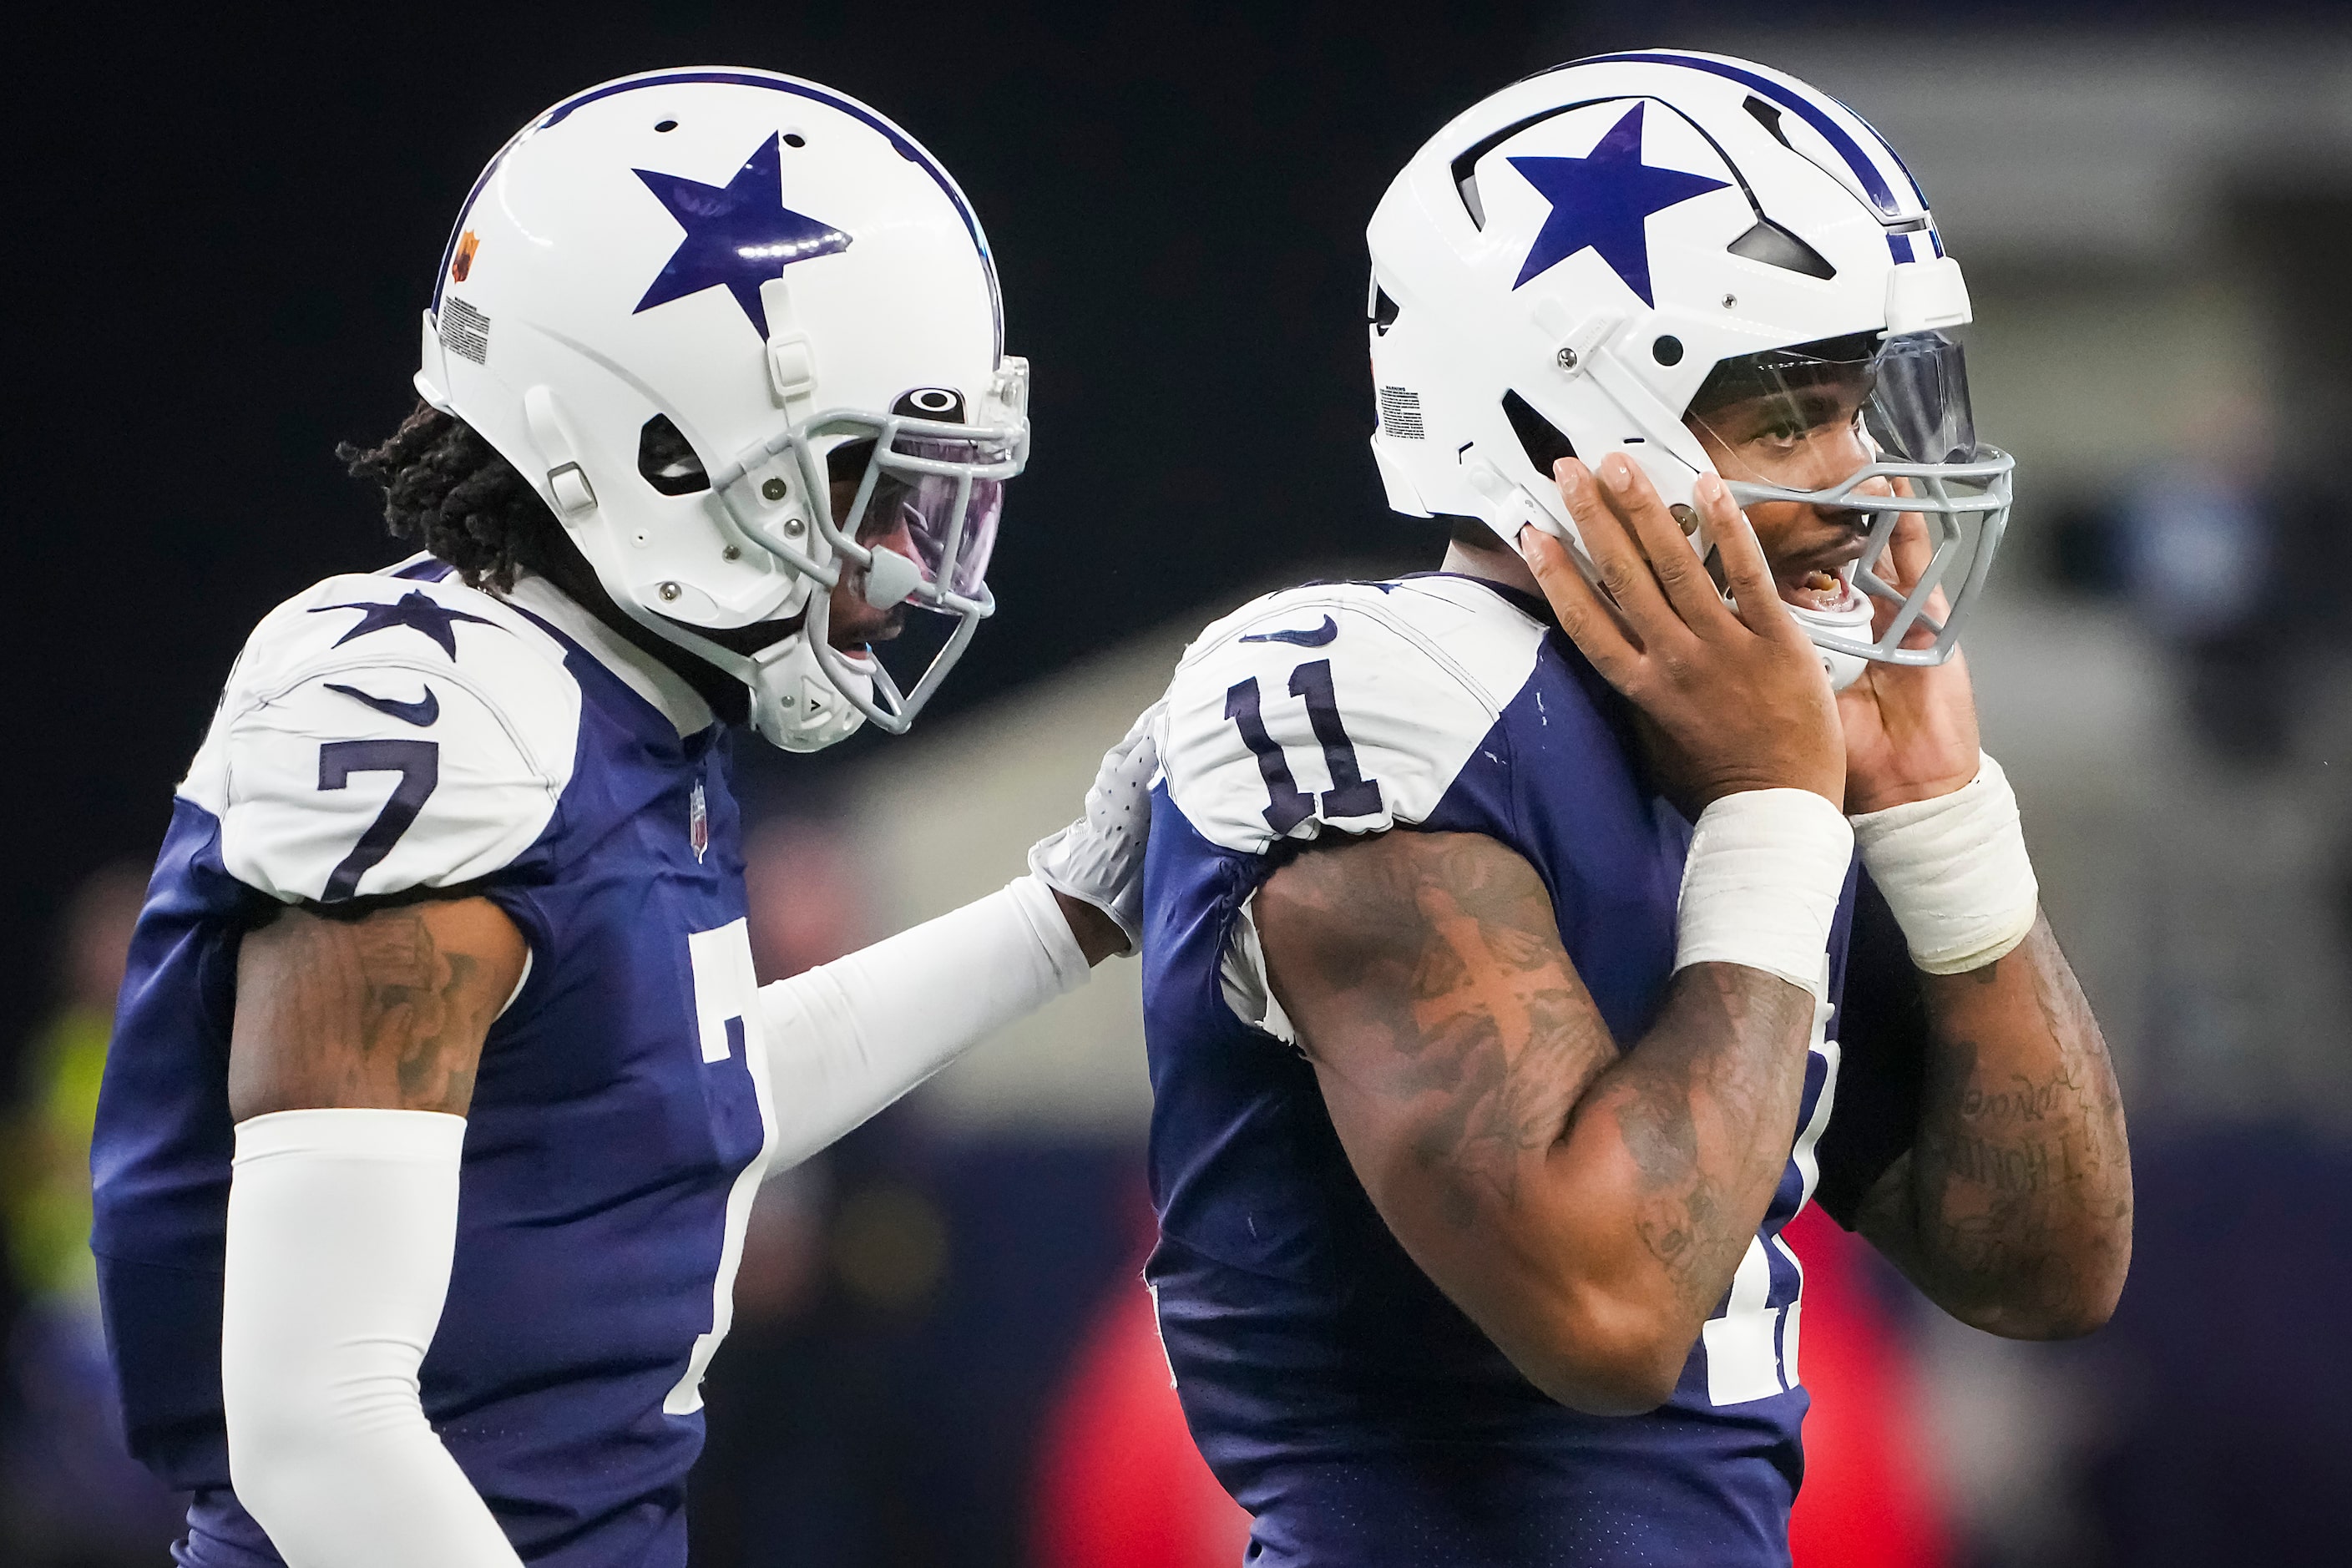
1706 1106
2015 1169
1562 1191
388 1011
2013 1210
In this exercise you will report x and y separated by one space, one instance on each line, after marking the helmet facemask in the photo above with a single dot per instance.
1906 399
918 530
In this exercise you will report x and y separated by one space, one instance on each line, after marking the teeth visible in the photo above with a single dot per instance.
1823 582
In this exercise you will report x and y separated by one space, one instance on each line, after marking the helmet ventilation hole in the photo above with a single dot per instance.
666 460
1465 168
794 139
667 125
1768 115
1774 246
1667 349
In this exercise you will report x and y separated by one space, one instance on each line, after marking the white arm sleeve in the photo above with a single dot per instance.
848 1038
341 1225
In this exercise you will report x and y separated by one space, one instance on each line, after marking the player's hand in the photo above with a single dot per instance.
1910 732
1736 695
1097 860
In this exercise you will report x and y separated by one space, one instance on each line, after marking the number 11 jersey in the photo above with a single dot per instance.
1341 1396
395 735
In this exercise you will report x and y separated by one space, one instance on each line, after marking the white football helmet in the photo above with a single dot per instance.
1565 265
669 299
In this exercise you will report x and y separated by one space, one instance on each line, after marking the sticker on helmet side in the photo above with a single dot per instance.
464 332
1400 413
931 402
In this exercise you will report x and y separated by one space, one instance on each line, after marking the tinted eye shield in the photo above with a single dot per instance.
945 497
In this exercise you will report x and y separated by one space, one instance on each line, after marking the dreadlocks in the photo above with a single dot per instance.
448 490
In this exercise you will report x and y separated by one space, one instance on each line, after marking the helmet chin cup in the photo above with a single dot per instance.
1847 626
796 704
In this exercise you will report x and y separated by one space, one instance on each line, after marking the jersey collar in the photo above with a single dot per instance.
1533 604
641 673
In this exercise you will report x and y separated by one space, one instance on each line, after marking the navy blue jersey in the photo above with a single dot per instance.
1356 1413
395 735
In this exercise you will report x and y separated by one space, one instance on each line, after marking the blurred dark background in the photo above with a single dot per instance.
227 222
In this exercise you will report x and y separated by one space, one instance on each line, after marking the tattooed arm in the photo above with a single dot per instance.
2013 1209
387 1012
1585 1208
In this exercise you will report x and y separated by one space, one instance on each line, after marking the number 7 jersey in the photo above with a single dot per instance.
395 735
1336 1391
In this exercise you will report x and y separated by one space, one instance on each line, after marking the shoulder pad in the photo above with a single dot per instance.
1351 705
379 735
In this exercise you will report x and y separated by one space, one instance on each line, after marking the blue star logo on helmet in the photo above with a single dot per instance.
738 235
1603 201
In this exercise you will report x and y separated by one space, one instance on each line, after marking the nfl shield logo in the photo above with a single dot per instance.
697 822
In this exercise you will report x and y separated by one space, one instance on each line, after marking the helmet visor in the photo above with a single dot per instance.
1911 392
1918 404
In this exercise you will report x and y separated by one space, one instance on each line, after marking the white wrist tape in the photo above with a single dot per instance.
1761 887
1955 872
849 1037
341 1226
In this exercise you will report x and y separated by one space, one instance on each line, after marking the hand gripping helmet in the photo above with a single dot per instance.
670 301
1564 266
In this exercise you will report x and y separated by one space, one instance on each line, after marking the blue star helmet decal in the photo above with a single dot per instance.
738 235
1602 202
414 610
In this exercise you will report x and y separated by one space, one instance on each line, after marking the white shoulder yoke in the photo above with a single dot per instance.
1349 705
380 733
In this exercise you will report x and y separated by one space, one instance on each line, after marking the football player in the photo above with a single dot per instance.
442 1085
1511 973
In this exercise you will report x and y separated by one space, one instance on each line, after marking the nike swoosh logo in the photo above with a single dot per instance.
1315 637
419 713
